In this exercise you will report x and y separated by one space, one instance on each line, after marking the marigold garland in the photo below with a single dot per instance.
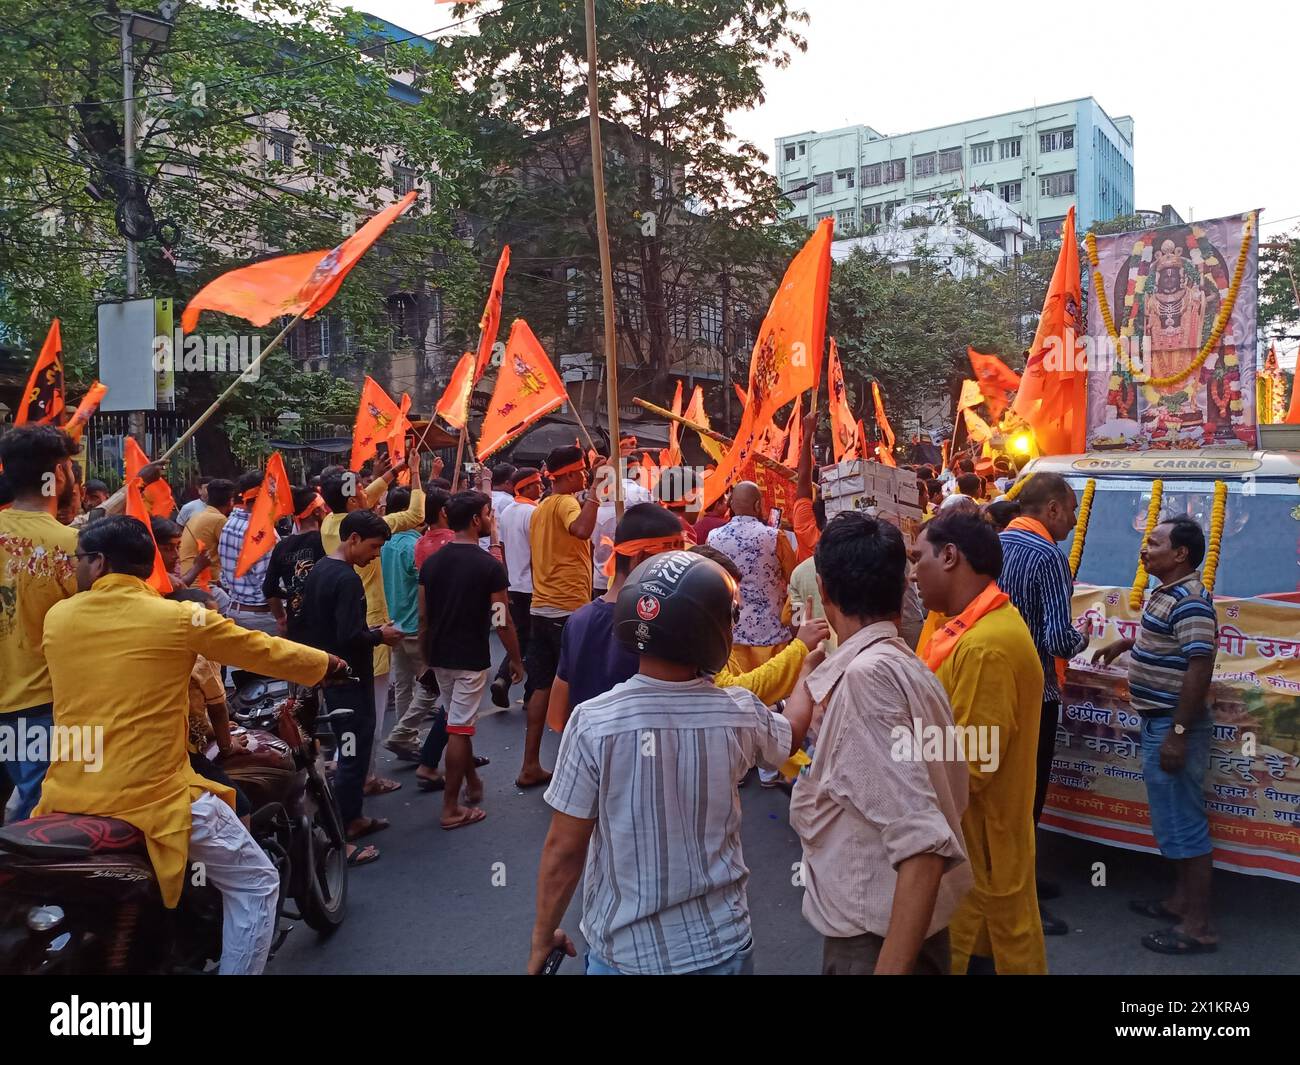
1220 320
1018 487
1081 526
1211 568
1138 592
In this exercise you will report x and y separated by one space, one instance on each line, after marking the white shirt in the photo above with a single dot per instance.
513 523
189 510
606 523
500 500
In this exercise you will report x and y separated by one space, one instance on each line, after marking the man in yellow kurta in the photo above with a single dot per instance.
333 490
985 659
120 658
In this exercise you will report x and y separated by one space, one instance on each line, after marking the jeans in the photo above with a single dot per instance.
739 964
25 774
356 737
1177 800
414 701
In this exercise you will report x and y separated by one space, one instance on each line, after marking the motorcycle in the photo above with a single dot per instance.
78 893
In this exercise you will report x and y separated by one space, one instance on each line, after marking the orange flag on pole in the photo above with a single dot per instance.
882 423
159 579
971 397
490 323
454 404
741 395
85 409
995 380
133 458
157 495
672 455
274 501
859 448
397 439
794 435
290 284
376 414
527 388
1053 399
1293 415
843 429
786 354
42 400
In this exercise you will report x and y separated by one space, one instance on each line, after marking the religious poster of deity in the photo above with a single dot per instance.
1171 325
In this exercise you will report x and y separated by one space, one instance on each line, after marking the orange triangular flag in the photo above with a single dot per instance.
843 429
290 284
397 439
376 414
134 458
1293 415
786 353
672 454
649 473
274 501
159 579
740 394
454 405
859 448
1053 401
42 400
695 409
85 409
793 435
157 495
490 323
995 379
882 423
527 388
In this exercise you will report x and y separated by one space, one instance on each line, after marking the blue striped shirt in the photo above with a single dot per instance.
1178 624
1037 578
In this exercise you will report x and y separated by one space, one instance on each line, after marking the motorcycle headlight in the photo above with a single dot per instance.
44 918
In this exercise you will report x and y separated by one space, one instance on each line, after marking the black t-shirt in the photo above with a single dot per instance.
333 616
291 561
458 582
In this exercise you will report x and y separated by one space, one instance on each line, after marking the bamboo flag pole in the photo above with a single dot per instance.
606 269
582 425
726 441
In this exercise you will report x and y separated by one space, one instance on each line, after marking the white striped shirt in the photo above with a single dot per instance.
656 764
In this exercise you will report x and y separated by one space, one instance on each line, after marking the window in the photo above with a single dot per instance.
1009 148
324 159
923 165
981 153
846 177
1057 141
1056 184
627 297
871 174
802 147
323 324
1010 191
821 216
280 148
797 192
707 322
891 207
847 219
872 214
825 183
789 153
949 160
895 170
403 180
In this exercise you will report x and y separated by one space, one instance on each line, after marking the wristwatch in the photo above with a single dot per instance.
1178 729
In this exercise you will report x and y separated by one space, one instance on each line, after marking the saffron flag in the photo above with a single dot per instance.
42 400
696 413
1053 395
786 354
290 284
672 455
397 439
859 448
490 323
274 501
1293 415
159 579
843 429
971 397
527 388
454 405
376 414
793 435
157 495
741 395
85 409
995 380
133 458
882 423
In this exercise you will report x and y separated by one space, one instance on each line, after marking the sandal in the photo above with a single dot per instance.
363 855
380 786
1172 941
472 816
1154 909
369 828
425 784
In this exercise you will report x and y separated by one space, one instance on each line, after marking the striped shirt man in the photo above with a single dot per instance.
1178 624
1037 578
247 589
655 764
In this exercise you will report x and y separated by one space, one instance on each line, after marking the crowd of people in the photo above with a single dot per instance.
674 649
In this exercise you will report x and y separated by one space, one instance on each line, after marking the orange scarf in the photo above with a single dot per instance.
945 637
628 548
1033 525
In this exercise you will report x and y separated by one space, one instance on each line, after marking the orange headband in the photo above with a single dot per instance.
572 467
524 482
250 495
316 504
652 544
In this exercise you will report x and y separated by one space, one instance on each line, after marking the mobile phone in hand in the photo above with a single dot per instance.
552 962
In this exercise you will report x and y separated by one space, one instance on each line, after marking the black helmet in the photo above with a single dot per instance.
679 606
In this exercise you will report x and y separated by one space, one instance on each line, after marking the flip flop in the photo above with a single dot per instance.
373 825
480 761
381 786
1154 909
425 784
364 855
1172 941
534 784
472 817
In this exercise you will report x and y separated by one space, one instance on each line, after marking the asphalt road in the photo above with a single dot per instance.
463 901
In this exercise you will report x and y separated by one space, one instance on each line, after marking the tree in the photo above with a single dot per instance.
259 131
1279 287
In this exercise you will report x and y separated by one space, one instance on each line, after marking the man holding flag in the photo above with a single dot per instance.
248 605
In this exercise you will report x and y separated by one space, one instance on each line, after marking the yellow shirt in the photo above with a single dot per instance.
205 688
561 561
37 570
205 526
773 680
122 628
995 682
372 576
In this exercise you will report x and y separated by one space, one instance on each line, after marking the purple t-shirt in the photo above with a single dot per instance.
591 659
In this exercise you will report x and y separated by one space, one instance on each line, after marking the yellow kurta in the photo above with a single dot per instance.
120 657
773 680
993 678
372 576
